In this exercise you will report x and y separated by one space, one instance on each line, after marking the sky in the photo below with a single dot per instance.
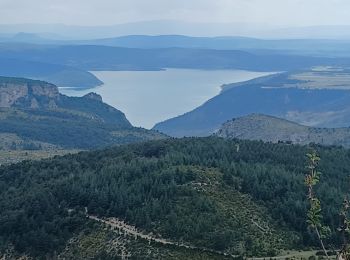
269 13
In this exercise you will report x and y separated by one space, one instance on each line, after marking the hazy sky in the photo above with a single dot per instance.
280 13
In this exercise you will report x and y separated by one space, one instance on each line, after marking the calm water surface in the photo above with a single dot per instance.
148 97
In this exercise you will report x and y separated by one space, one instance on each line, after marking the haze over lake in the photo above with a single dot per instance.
148 97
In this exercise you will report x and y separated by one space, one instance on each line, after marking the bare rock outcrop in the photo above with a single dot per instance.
10 93
30 94
93 96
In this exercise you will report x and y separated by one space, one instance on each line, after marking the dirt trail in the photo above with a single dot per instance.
115 223
131 230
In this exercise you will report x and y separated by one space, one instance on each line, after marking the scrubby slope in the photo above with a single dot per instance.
273 129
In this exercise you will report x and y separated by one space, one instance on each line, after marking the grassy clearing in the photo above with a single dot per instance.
328 79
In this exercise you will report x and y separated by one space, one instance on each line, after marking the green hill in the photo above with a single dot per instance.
35 116
194 198
273 129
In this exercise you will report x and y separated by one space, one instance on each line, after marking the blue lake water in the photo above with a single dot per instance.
148 97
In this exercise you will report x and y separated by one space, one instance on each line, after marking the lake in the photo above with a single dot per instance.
148 97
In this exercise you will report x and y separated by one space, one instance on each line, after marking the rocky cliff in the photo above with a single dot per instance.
93 96
27 93
34 114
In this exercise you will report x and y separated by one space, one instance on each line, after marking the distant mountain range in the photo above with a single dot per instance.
273 129
276 95
313 47
35 116
68 63
297 46
91 57
162 27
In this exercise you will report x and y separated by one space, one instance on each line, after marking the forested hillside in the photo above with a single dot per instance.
216 196
35 116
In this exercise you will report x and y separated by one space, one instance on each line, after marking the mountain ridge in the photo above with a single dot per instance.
36 115
276 95
94 57
60 75
273 129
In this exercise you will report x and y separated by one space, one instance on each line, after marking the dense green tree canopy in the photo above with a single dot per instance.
203 191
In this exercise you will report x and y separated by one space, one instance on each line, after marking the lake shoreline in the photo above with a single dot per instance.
149 97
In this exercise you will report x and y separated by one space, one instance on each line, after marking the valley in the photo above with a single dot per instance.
142 189
174 130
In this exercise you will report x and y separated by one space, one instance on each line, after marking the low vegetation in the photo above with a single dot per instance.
14 156
272 129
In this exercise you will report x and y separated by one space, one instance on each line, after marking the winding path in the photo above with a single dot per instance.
115 223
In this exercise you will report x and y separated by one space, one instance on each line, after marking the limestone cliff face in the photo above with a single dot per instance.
32 94
9 93
47 90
